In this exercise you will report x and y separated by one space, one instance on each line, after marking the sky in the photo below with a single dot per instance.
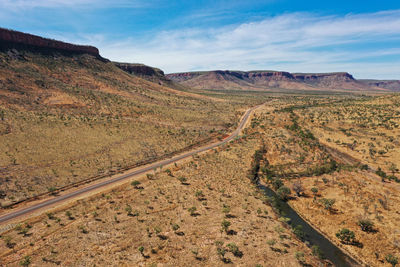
359 37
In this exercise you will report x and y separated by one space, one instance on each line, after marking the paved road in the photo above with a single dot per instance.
71 195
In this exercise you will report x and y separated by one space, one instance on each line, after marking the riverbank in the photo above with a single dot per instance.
312 235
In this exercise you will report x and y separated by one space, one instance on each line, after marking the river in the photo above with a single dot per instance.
312 237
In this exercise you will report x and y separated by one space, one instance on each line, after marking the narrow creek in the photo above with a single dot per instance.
330 251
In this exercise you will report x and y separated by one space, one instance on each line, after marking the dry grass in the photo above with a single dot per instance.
158 215
102 119
296 157
65 119
367 129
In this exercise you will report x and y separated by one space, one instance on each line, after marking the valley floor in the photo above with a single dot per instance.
201 213
206 211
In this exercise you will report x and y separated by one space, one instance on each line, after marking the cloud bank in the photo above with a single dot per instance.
30 4
364 44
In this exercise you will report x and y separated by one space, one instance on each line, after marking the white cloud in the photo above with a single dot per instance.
362 44
292 42
18 4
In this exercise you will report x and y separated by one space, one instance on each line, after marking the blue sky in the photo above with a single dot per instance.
361 37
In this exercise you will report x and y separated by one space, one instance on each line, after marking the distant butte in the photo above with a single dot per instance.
274 80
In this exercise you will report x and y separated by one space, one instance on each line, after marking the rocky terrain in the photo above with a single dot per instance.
393 85
202 212
335 159
17 40
278 80
149 73
67 115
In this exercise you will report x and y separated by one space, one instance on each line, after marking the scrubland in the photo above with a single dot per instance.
68 119
334 158
203 212
317 157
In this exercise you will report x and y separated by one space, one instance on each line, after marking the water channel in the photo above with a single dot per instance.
329 250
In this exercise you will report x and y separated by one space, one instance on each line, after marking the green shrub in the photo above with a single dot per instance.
26 261
328 203
235 250
392 259
192 211
283 192
135 184
346 236
366 225
225 225
316 251
298 231
277 183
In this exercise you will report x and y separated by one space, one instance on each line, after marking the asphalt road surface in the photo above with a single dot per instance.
58 199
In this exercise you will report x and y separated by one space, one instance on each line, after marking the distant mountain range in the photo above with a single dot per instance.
12 41
276 80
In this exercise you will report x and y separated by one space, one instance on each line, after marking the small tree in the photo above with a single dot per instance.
328 203
381 173
69 215
52 190
298 231
298 188
277 183
199 194
26 261
182 179
366 225
175 227
300 256
283 192
364 167
392 259
8 241
141 250
235 250
225 225
316 251
192 211
314 190
346 236
128 210
135 184
221 253
393 168
226 209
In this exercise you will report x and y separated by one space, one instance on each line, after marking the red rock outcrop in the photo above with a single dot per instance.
393 85
10 39
226 80
139 69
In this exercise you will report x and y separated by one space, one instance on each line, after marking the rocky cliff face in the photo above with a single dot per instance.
17 40
272 80
271 75
393 85
183 76
140 69
148 73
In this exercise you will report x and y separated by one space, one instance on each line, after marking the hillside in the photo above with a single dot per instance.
17 40
276 80
67 115
393 85
151 74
